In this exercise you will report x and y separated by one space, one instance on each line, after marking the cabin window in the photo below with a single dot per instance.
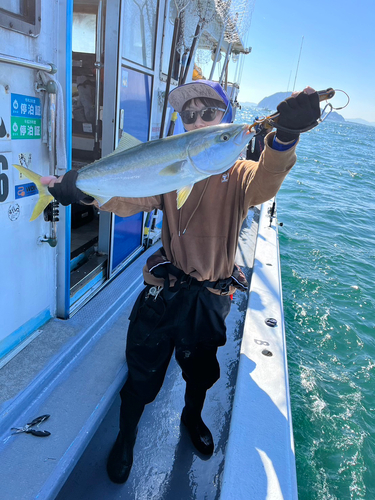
170 15
23 16
84 33
138 44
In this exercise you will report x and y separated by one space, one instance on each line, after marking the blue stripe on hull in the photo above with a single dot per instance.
19 335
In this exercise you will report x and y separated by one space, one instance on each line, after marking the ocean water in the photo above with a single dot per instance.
327 247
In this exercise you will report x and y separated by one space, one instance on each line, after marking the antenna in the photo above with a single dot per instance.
299 57
290 74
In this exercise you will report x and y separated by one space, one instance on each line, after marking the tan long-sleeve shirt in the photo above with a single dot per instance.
201 238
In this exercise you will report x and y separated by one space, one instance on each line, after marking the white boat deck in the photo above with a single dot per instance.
254 456
166 466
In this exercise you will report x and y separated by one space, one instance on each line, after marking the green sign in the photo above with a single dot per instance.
26 128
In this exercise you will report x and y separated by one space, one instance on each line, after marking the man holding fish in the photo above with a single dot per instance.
189 282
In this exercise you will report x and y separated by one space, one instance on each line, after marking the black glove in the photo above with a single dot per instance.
297 113
66 191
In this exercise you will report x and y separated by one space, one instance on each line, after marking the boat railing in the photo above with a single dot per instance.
19 61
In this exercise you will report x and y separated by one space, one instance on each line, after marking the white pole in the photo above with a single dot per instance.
299 57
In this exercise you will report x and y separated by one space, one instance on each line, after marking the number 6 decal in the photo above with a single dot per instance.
4 181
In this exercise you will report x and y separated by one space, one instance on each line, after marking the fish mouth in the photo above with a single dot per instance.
240 137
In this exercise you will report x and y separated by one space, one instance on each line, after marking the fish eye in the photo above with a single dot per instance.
225 137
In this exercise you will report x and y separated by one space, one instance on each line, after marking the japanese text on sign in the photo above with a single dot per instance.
27 106
25 117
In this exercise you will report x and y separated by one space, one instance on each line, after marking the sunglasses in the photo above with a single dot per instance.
207 115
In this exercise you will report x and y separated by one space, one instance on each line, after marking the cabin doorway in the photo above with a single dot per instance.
88 266
107 96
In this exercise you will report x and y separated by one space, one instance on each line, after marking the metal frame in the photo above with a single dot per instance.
133 64
137 67
98 65
155 72
122 62
110 88
64 227
164 45
20 23
126 63
217 53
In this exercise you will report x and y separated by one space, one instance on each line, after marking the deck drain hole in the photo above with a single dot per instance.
272 322
266 352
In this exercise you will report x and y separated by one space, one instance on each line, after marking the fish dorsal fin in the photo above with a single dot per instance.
127 141
183 194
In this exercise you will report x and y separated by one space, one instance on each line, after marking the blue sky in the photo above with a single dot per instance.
338 51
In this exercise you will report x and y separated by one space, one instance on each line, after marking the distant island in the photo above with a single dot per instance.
273 100
270 103
361 121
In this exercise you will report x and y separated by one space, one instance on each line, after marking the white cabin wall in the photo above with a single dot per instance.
28 283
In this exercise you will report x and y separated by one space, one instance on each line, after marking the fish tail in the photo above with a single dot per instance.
45 196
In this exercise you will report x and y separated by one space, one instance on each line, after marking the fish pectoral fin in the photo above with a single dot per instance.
127 141
173 169
183 194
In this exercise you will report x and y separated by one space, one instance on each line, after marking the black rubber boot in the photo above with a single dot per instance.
120 459
200 434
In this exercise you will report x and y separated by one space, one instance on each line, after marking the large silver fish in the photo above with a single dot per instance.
137 169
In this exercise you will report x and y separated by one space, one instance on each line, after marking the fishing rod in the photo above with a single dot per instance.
271 121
